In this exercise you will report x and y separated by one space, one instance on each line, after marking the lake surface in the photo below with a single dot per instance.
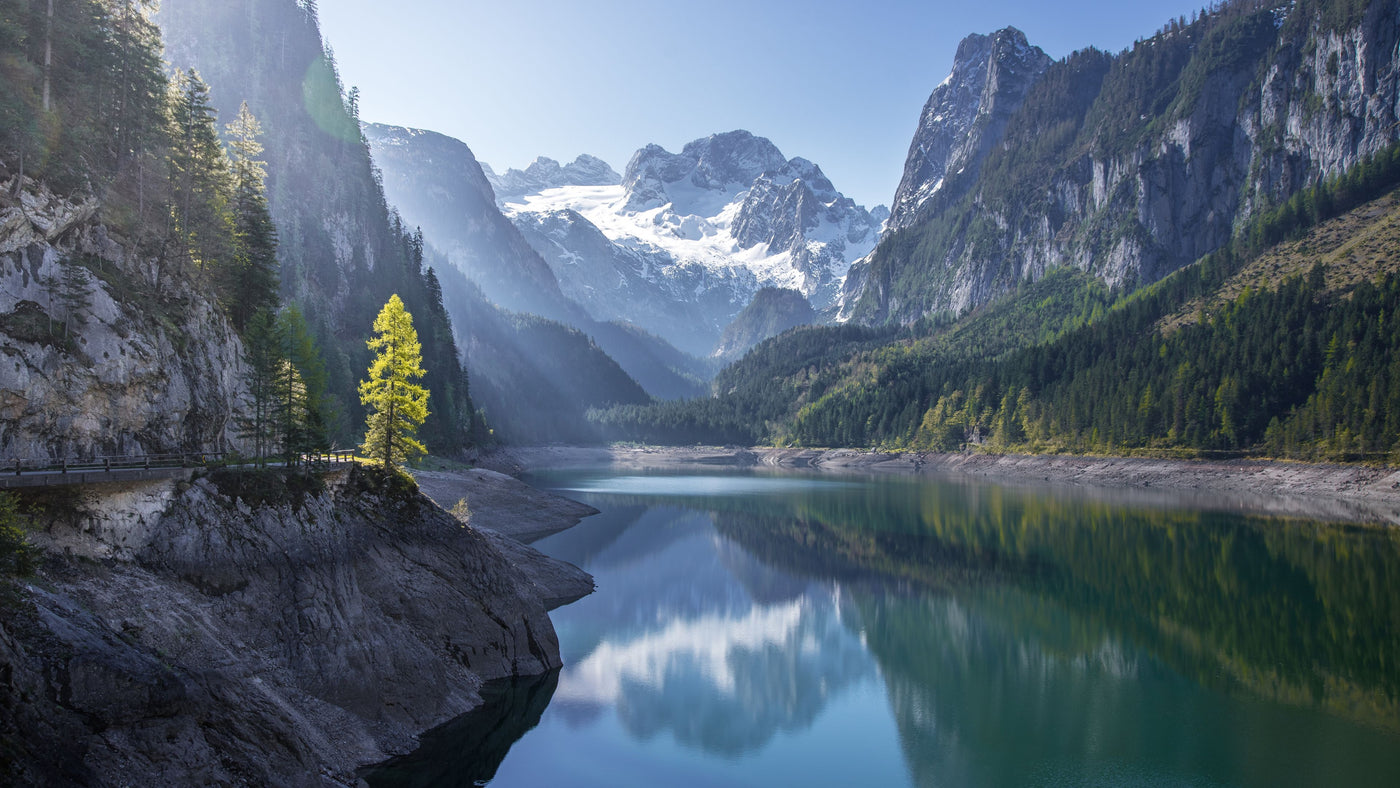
814 630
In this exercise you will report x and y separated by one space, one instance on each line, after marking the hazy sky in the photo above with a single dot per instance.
840 83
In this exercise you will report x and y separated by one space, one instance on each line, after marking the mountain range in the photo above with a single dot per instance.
1122 167
678 245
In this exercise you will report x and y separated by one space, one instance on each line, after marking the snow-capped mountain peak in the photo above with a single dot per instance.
697 233
707 173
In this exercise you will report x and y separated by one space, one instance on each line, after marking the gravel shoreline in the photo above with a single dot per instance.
1350 493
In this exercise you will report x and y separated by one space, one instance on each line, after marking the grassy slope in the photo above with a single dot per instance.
1361 245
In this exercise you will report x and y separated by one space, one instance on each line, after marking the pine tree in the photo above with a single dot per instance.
16 555
397 406
199 173
136 77
299 387
263 357
73 295
250 282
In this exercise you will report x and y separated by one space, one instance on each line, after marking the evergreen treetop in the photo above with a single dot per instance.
397 406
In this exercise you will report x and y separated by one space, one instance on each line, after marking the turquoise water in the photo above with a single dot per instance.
806 630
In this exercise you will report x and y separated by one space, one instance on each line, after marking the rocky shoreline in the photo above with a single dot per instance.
1349 493
232 631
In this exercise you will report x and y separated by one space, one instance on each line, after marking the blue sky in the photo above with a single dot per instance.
840 83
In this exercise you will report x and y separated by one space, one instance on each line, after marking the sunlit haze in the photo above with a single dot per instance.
840 84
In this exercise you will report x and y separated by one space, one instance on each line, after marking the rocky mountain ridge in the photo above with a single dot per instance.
438 185
546 173
965 116
696 234
1131 166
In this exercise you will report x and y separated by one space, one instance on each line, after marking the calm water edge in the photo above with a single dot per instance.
810 630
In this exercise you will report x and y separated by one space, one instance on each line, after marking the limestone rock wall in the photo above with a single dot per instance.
1133 197
104 351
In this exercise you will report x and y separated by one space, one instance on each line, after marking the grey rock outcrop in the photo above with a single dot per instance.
965 116
786 209
104 351
1131 166
707 171
283 642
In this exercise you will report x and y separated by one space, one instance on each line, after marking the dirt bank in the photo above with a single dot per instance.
1332 492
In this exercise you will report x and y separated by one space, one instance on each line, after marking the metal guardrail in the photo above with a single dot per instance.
48 465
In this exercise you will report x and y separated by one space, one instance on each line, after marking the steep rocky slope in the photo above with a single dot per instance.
104 350
235 631
964 117
437 184
1131 166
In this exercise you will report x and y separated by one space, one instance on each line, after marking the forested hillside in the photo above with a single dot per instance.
132 243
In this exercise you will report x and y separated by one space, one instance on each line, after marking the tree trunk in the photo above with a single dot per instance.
48 55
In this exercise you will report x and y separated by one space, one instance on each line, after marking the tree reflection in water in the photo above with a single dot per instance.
1002 636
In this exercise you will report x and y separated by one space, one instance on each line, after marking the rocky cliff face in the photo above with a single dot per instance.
965 116
702 177
1131 166
203 638
104 351
796 210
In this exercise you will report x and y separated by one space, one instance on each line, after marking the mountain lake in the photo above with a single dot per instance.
752 629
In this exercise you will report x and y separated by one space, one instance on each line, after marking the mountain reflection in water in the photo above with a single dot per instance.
752 629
